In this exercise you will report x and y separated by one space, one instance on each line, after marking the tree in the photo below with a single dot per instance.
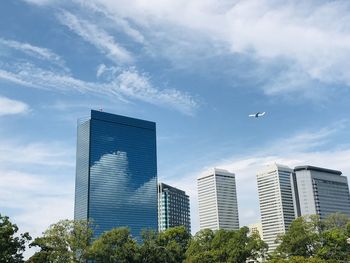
175 241
302 238
257 247
297 259
200 248
167 246
225 246
242 246
150 250
335 221
310 237
115 245
334 237
11 246
65 241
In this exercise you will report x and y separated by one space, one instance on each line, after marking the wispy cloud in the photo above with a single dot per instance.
131 83
38 200
314 42
128 84
119 23
34 51
46 154
96 36
311 38
37 182
41 2
11 107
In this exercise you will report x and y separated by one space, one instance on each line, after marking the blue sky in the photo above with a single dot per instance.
197 68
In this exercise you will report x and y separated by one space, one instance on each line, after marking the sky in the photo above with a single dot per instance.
197 68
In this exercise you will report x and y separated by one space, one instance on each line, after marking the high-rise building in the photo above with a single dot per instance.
276 202
320 191
217 198
173 208
116 173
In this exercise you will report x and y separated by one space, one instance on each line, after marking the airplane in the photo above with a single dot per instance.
257 115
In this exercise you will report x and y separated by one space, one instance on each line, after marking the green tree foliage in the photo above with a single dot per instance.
150 251
113 246
225 246
298 259
12 245
334 237
302 238
65 241
308 240
175 241
167 246
308 237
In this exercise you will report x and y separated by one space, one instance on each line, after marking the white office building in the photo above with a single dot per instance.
320 191
217 198
276 202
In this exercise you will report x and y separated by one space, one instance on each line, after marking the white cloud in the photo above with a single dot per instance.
37 52
309 36
38 153
11 107
107 72
34 202
97 37
37 184
129 84
132 83
41 2
118 22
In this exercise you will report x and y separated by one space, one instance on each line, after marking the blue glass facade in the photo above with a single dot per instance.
116 173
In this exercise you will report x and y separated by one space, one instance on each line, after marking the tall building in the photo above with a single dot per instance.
116 173
320 191
276 202
217 198
173 208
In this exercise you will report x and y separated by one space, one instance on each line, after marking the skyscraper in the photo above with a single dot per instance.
320 191
173 208
276 202
116 173
217 198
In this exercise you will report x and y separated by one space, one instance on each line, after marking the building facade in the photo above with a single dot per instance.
320 191
116 173
276 202
255 229
173 208
217 199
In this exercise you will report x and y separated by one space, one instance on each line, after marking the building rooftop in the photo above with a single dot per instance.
317 169
274 167
216 171
109 117
166 186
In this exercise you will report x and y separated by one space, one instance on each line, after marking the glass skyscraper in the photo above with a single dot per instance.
173 208
116 173
320 191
